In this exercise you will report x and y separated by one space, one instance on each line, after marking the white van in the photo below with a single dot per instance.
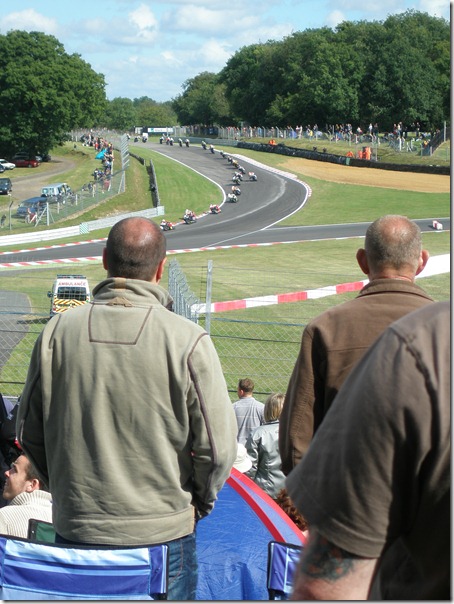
68 291
57 191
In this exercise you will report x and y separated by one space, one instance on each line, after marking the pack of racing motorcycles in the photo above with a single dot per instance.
189 216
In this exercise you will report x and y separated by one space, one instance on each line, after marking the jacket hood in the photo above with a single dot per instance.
131 291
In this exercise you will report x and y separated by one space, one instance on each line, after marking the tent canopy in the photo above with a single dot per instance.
232 542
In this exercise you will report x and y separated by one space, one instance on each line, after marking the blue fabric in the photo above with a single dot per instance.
232 542
80 573
182 557
283 559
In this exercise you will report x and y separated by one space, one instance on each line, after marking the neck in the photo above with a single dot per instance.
390 275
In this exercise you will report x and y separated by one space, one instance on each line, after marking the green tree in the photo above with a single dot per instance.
251 81
361 72
44 92
416 58
150 113
120 114
318 80
203 101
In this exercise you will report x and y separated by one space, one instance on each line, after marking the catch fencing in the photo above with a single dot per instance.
258 338
78 202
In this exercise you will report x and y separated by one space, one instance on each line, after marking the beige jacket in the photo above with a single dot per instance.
126 415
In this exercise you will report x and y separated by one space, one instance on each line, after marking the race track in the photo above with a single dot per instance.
254 219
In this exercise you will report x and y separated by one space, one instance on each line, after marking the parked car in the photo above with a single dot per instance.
26 163
7 164
33 204
6 186
2 169
27 154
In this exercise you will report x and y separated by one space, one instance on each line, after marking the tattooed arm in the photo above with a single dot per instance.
327 572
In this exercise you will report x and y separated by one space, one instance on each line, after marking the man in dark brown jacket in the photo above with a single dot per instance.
336 340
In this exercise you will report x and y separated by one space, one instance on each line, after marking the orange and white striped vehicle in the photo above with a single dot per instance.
68 291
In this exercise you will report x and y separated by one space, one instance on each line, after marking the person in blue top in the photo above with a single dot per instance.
248 411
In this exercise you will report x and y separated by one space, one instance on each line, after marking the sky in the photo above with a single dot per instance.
150 48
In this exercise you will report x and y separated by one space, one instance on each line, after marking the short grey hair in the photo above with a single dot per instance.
393 241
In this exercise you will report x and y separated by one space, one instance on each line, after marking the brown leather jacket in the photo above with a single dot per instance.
332 344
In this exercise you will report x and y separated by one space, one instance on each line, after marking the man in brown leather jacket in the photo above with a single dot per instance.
336 340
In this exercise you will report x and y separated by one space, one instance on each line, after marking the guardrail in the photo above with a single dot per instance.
83 228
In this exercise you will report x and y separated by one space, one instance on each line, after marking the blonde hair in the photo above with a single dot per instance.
273 406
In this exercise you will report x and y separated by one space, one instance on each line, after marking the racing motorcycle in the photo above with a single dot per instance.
236 190
189 218
232 197
166 226
215 209
252 176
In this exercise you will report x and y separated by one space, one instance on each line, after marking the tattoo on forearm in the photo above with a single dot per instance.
324 560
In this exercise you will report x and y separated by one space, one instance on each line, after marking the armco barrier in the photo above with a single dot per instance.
281 149
83 228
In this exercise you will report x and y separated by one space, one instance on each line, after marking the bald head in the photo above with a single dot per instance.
135 249
393 248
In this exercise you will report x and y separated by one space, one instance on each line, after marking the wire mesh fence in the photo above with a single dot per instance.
45 212
258 338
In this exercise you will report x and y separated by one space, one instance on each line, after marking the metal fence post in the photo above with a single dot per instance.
209 292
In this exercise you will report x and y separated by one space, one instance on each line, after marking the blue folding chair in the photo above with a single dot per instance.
41 571
282 561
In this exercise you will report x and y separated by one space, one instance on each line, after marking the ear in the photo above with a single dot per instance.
34 485
104 258
423 259
160 270
361 259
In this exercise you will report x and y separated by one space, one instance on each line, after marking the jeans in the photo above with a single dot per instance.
182 566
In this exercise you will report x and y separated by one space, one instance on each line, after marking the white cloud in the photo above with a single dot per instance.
29 20
435 7
213 52
144 22
199 19
334 18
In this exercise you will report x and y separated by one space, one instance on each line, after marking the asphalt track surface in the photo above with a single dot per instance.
254 219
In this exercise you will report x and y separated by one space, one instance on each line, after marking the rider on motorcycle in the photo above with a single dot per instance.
166 225
214 208
189 216
252 176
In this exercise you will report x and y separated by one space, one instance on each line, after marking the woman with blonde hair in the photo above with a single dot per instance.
263 448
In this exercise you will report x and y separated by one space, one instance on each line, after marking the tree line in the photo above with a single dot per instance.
360 72
384 72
